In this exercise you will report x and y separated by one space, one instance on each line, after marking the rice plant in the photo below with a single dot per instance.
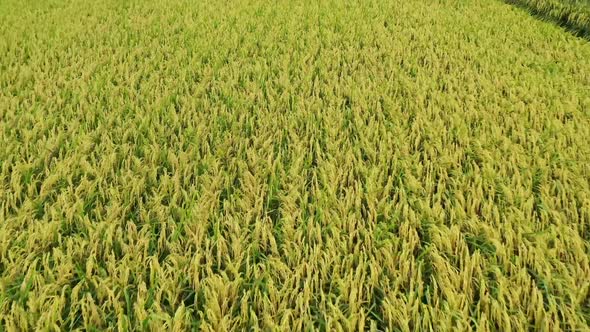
291 166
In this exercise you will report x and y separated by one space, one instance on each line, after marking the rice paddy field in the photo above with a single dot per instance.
379 165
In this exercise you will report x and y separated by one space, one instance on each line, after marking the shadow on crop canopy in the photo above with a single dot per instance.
569 20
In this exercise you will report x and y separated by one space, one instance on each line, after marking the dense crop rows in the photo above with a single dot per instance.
288 165
574 14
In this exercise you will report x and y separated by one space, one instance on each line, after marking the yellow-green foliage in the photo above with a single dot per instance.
292 165
571 13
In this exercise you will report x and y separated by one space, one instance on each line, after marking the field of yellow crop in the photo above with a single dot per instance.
375 165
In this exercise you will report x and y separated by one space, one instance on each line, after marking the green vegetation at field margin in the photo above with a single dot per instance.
292 165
